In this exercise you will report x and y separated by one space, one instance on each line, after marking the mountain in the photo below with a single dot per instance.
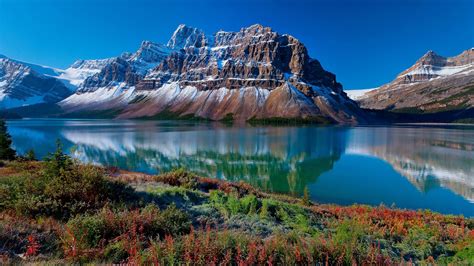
254 73
433 84
79 71
22 84
115 80
358 94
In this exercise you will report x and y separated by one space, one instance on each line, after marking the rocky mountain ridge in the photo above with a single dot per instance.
254 73
21 84
433 84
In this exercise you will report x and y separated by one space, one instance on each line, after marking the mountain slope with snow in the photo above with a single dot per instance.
23 84
358 94
255 73
433 84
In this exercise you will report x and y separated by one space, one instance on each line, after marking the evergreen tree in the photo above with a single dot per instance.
306 200
30 155
6 152
57 161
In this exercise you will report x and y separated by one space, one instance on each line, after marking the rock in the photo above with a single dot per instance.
252 73
433 84
21 85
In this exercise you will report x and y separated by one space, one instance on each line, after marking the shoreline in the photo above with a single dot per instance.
92 214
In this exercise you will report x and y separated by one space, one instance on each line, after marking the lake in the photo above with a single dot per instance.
408 166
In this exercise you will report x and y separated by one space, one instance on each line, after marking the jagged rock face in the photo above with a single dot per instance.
187 37
75 75
433 84
253 73
125 70
20 85
119 70
255 56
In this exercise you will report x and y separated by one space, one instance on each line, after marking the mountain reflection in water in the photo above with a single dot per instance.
279 159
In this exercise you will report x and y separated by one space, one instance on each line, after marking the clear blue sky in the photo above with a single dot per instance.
365 43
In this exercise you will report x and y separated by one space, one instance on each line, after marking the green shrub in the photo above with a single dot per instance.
249 204
106 225
58 162
466 254
264 210
232 205
115 252
174 221
179 177
30 155
347 238
90 230
217 197
306 199
417 244
79 189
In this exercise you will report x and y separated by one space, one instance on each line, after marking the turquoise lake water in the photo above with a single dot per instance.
408 166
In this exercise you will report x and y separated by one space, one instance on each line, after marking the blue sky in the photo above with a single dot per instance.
365 43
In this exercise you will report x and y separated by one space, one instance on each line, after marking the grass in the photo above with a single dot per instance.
60 211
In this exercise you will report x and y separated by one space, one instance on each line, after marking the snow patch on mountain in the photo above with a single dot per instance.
7 102
102 94
438 71
358 94
80 70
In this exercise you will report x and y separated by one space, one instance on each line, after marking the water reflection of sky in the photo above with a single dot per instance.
409 166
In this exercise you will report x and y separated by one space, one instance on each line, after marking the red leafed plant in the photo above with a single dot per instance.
32 247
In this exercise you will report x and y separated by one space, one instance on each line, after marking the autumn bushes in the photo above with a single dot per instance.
114 235
62 211
60 190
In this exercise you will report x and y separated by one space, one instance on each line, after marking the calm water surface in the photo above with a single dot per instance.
410 166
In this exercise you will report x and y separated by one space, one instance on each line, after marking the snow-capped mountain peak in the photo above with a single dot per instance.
433 84
254 72
432 65
150 52
184 37
21 85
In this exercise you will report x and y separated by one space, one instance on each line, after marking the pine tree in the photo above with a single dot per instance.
57 161
306 200
6 152
30 155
